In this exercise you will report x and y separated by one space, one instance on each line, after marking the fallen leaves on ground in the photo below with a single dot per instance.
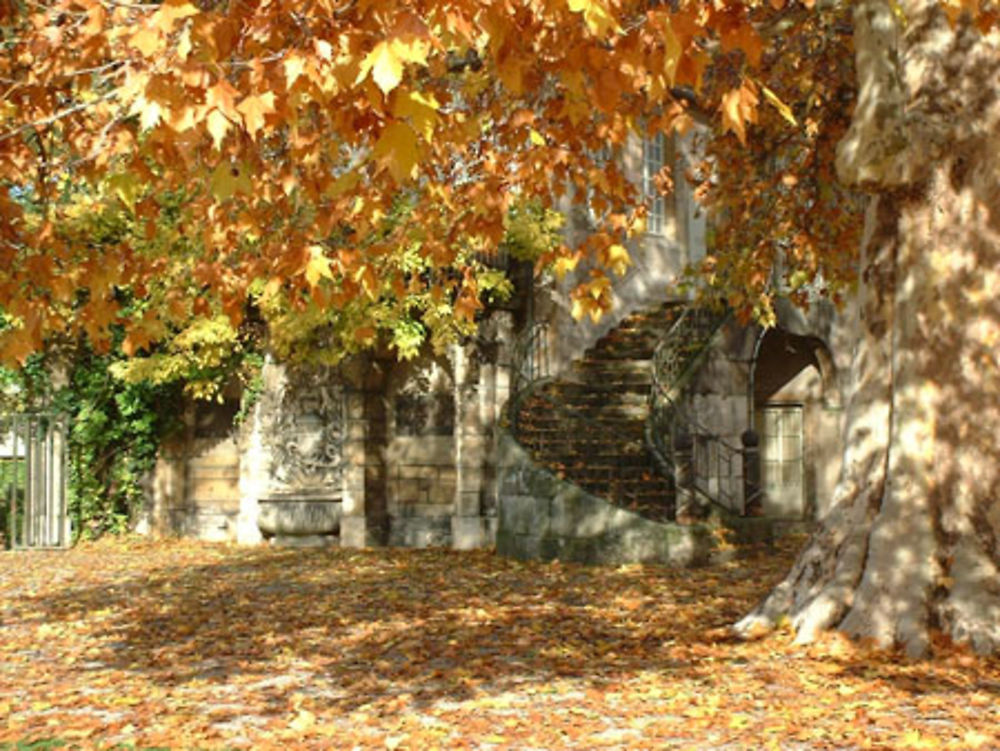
185 645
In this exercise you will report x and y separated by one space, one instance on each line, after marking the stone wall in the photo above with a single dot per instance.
543 517
421 476
195 487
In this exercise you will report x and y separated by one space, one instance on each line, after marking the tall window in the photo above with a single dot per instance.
652 163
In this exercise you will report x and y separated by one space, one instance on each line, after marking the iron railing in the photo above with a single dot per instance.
713 466
574 435
531 361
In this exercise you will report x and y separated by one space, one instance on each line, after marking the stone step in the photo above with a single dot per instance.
665 312
631 405
594 417
602 390
625 465
631 484
643 341
610 474
612 435
608 480
621 367
615 354
579 414
592 373
588 426
609 463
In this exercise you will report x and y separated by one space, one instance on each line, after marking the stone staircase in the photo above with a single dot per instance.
588 425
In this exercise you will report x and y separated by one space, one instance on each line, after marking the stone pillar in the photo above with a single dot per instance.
376 417
686 504
691 220
255 458
503 336
354 532
468 527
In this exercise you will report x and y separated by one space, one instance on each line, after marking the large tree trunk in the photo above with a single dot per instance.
912 542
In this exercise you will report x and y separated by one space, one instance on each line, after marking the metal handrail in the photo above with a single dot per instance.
676 359
717 466
531 356
530 373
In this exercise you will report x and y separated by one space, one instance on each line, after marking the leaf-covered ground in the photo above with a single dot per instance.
183 645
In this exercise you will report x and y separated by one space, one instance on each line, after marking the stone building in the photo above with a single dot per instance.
442 450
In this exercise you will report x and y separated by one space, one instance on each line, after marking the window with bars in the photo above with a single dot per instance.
653 154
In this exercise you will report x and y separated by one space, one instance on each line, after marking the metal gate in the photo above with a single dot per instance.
33 470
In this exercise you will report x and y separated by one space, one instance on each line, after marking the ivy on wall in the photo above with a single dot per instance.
115 431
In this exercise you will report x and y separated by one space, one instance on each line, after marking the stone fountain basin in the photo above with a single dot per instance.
293 516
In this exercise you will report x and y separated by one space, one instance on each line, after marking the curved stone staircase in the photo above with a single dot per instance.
588 425
587 472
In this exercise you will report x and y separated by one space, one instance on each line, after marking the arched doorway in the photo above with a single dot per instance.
798 416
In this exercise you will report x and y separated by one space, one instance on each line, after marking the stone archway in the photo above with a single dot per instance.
797 414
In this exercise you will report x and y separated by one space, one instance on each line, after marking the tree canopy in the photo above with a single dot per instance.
359 162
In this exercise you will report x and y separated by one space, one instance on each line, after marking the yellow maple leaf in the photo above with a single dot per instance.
738 107
397 150
229 178
218 125
171 12
596 15
318 266
385 62
731 116
253 109
147 40
222 96
386 66
617 258
564 265
671 52
150 113
593 297
420 109
294 66
181 119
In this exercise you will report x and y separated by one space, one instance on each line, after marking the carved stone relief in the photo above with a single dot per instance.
303 411
425 405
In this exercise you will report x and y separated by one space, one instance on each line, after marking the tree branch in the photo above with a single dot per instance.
56 117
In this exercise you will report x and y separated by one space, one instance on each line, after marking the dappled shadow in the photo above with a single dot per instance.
241 644
431 624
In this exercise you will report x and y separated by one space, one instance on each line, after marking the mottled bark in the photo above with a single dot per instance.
912 542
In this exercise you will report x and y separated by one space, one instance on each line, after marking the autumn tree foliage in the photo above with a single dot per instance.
781 223
288 140
354 156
